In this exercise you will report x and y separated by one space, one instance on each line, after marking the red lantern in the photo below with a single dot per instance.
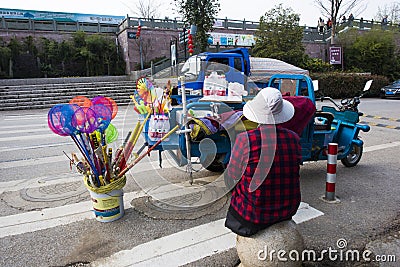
138 31
190 44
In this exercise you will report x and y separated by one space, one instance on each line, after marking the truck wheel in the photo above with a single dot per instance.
353 157
214 164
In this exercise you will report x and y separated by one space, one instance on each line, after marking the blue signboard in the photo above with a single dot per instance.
59 16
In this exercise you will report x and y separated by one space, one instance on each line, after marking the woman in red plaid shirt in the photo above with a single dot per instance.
264 165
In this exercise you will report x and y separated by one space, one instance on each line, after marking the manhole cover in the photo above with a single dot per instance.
186 207
53 193
45 197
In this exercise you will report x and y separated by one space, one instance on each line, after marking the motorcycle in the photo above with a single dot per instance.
340 125
349 103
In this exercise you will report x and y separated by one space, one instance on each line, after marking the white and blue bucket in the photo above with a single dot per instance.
108 207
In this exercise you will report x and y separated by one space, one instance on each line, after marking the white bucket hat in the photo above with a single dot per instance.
268 107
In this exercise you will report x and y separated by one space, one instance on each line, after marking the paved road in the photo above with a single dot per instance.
46 217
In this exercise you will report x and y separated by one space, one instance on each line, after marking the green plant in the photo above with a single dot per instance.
200 13
341 85
317 65
373 51
280 36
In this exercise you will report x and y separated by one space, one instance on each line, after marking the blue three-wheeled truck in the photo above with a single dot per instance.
209 123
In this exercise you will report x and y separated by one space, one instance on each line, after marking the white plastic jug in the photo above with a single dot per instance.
215 84
159 126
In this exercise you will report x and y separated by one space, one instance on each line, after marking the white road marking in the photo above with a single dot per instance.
188 245
26 131
9 149
306 213
22 117
381 146
31 162
30 137
49 160
176 249
62 178
18 126
51 217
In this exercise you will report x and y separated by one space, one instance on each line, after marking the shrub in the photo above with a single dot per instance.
343 85
317 65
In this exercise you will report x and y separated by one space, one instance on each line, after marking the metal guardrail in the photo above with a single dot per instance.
164 68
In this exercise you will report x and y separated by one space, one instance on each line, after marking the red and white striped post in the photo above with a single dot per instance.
331 173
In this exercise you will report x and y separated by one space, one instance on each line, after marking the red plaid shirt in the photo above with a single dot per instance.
277 197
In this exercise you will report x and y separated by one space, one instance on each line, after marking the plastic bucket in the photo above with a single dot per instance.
108 207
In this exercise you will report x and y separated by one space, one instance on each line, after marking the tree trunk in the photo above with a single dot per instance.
333 35
10 69
87 68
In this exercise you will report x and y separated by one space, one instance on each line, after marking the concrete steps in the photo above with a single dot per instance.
15 95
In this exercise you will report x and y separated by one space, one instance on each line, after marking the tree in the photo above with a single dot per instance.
148 9
202 14
145 9
391 10
66 53
97 47
335 9
15 49
374 51
280 36
29 45
49 55
79 39
5 56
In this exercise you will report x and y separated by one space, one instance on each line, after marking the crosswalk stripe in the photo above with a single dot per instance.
381 146
9 149
31 162
188 245
176 243
26 131
176 249
68 177
29 137
51 217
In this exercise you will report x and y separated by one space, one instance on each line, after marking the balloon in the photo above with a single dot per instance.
111 134
84 120
115 107
103 116
59 119
81 101
108 102
54 120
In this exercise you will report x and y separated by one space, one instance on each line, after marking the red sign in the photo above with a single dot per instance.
335 55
